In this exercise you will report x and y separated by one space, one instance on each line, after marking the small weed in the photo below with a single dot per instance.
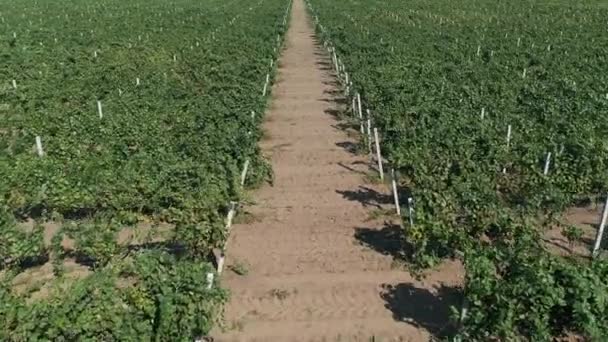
279 294
246 218
239 268
379 213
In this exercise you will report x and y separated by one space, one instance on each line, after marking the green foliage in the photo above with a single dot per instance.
178 82
427 70
154 297
18 245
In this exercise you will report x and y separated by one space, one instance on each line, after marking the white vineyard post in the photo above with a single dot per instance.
523 74
244 173
395 193
410 210
483 113
354 106
478 50
547 163
210 277
266 85
360 112
39 149
14 84
378 154
504 169
600 232
369 133
100 109
95 53
137 82
174 58
518 41
336 64
119 92
220 262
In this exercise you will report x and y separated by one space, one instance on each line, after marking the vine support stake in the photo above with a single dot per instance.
244 173
547 163
483 113
230 215
220 262
210 277
137 82
99 109
509 128
600 231
395 193
266 85
410 210
14 84
39 149
360 112
378 154
369 133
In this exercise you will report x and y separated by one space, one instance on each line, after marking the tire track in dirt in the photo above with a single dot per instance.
317 269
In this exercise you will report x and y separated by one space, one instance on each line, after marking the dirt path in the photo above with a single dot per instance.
317 269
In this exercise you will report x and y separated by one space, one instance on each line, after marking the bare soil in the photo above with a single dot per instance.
317 262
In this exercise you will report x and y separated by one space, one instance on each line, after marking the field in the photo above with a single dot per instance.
132 131
124 132
493 116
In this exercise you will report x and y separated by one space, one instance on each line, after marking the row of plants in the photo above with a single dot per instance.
470 98
124 129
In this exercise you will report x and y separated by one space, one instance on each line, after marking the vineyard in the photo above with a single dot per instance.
493 116
127 132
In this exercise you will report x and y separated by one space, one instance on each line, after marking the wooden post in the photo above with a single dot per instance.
378 154
395 193
600 232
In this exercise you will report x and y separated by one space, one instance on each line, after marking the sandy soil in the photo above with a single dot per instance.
311 264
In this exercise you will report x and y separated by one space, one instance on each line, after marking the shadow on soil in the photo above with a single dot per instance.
368 197
386 241
421 307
